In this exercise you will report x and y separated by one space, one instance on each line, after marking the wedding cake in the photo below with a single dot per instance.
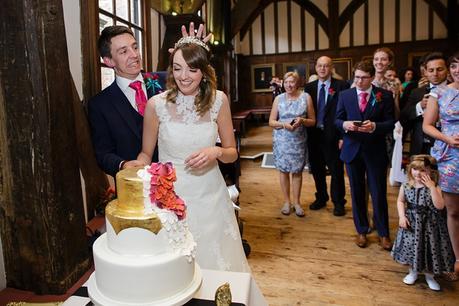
146 257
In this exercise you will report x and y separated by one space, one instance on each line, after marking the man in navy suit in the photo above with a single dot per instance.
116 124
365 114
324 138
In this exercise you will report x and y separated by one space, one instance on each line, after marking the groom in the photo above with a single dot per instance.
115 114
365 114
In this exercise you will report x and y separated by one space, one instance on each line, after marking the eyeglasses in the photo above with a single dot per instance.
363 78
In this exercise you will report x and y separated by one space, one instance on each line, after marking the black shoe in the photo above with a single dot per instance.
339 211
316 205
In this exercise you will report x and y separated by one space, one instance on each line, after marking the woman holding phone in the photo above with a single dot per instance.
291 112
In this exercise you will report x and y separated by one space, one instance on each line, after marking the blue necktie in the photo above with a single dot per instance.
321 107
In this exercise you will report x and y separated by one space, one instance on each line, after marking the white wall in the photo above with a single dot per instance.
73 35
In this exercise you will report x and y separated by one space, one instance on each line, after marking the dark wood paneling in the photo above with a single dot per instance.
263 31
413 19
247 99
430 24
351 32
365 24
397 20
316 35
276 28
348 13
289 25
303 30
381 21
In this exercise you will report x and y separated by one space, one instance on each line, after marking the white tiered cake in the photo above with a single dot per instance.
147 255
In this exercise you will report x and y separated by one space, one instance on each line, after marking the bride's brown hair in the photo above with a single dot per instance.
196 57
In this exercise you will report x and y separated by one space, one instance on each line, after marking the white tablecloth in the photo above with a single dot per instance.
243 289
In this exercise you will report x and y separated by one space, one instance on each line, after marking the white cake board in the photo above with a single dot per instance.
178 299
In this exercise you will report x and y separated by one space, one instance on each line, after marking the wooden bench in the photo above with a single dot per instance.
239 121
240 118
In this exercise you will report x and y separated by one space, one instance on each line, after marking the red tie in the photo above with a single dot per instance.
140 98
363 101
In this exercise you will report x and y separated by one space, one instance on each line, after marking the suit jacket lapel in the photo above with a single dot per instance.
314 95
371 104
355 104
122 105
329 96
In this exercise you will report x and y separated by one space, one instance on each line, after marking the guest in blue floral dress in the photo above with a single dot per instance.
291 112
443 105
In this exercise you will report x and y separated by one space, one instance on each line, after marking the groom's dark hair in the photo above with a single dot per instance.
105 40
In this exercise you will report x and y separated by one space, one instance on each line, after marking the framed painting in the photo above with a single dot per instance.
301 68
261 76
343 67
367 58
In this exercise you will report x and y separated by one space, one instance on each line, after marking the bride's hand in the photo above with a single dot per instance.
203 158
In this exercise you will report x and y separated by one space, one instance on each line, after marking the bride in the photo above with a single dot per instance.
186 120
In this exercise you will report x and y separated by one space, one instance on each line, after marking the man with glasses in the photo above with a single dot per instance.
365 114
323 139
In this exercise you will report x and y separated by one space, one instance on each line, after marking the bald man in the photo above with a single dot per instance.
324 139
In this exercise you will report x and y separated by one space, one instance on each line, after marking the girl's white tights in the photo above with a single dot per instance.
431 282
411 277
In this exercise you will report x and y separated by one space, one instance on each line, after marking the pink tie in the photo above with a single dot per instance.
363 101
140 98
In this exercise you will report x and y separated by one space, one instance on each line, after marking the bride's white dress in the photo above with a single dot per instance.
210 214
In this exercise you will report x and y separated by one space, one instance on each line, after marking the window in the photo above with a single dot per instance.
129 13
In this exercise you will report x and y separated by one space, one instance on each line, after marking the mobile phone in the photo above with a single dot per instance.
357 123
292 122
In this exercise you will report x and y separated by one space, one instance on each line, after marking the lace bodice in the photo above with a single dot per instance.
184 110
182 130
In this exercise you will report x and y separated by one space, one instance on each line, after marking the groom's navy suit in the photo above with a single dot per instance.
116 128
365 154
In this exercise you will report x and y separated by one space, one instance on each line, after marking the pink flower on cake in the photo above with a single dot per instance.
162 180
173 203
162 189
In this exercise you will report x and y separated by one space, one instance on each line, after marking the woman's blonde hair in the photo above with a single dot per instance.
196 57
389 52
422 162
294 75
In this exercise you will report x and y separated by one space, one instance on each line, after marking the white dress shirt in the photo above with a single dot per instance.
419 110
129 92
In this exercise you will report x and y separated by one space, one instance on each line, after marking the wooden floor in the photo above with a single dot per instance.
313 260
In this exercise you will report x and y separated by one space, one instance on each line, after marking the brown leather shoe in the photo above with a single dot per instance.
361 241
385 243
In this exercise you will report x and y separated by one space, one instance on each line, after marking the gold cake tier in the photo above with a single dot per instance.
128 210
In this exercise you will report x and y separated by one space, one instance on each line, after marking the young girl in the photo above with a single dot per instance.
422 240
